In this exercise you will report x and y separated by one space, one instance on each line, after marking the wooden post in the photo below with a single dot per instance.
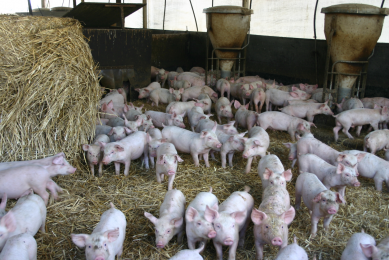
245 3
43 3
29 7
145 15
74 3
118 1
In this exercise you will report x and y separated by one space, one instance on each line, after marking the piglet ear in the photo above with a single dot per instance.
294 94
110 104
340 157
339 198
85 147
247 106
368 249
203 134
178 158
257 142
104 107
177 222
79 239
58 160
111 132
191 214
3 201
258 216
287 175
289 215
236 104
210 215
302 86
340 168
119 148
288 145
360 156
153 219
239 216
267 174
112 234
317 198
160 159
9 222
182 90
102 145
215 206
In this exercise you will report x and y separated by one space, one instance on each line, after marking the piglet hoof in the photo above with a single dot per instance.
312 236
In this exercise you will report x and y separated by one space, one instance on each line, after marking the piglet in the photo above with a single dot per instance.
147 122
223 109
195 80
20 247
230 144
178 84
165 96
94 154
198 69
159 118
292 156
292 252
228 129
167 159
272 218
283 122
199 215
194 116
258 95
223 85
115 97
355 246
380 252
195 91
181 107
206 100
231 222
331 176
189 254
244 117
256 144
145 92
130 148
321 202
307 110
27 216
278 97
272 172
106 240
194 143
376 140
171 218
350 103
373 167
154 140
132 125
114 134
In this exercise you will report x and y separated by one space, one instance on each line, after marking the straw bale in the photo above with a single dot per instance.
48 87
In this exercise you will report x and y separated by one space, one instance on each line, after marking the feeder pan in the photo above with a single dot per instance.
352 31
227 28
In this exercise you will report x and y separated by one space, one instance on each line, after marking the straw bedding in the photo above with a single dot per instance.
48 87
87 197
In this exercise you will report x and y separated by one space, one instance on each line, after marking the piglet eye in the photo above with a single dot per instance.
89 246
105 244
324 200
267 226
199 223
346 174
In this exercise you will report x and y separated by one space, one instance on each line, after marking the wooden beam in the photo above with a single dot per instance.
145 14
43 3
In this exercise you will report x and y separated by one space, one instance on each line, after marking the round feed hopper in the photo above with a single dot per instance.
227 28
352 31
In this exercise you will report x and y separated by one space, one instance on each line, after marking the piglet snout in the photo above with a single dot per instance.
244 156
331 211
212 234
171 172
160 245
74 170
277 241
228 242
99 258
218 145
357 184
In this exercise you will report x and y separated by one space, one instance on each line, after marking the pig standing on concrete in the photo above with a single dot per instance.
376 140
359 117
196 91
373 167
20 247
272 218
244 117
272 172
106 240
94 154
27 216
171 218
145 92
159 118
283 122
130 148
167 159
223 109
189 254
232 221
194 143
331 176
223 85
199 216
323 203
278 97
308 110
292 252
194 116
256 144
230 144
353 250
292 156
380 252
350 103
309 144
228 129
165 96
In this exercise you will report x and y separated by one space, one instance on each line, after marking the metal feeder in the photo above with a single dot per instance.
352 31
227 28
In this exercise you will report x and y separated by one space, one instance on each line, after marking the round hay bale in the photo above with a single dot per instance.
48 87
